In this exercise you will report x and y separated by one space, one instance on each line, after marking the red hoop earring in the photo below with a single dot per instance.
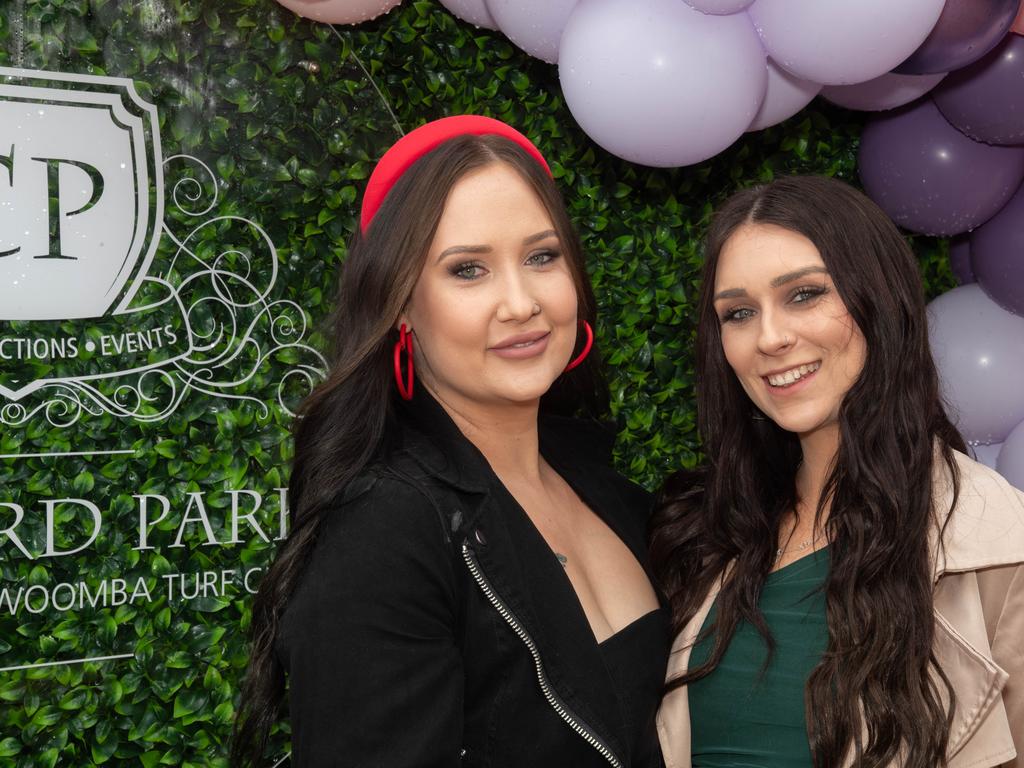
404 344
586 347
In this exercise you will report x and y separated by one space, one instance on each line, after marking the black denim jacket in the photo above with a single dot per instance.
433 626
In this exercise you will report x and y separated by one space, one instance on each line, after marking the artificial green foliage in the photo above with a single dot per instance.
289 117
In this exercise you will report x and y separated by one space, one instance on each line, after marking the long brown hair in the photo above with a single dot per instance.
878 669
344 422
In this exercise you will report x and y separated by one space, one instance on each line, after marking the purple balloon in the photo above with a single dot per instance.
842 41
719 7
987 454
1010 463
929 177
986 99
339 11
658 83
979 350
997 255
473 11
886 92
785 96
960 259
966 31
534 25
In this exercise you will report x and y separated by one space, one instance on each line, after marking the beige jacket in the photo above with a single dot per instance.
979 616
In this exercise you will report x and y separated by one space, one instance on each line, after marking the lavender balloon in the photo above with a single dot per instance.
785 96
340 11
966 31
473 11
997 255
658 83
842 41
1010 463
979 350
960 259
986 99
987 454
886 92
534 25
929 177
719 7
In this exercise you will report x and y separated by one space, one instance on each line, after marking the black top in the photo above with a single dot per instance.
633 656
433 626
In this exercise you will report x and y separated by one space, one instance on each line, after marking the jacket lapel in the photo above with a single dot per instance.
986 531
976 679
524 572
674 713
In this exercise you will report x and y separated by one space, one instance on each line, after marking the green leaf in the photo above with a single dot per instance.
101 752
45 716
83 483
167 448
9 747
74 699
189 701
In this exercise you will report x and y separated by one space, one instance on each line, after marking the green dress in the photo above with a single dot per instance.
743 715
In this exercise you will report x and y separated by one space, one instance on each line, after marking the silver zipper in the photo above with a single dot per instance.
556 703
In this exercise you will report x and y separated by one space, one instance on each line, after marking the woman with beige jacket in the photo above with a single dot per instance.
847 586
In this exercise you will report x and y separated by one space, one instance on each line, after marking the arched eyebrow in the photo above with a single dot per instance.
540 236
777 282
789 277
487 249
462 249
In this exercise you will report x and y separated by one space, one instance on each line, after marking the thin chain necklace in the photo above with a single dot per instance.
803 544
798 548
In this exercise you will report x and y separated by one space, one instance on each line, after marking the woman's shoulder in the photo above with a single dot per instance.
380 543
985 527
984 490
588 439
383 501
584 448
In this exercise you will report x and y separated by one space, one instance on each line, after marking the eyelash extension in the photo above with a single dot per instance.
550 254
731 316
456 270
810 292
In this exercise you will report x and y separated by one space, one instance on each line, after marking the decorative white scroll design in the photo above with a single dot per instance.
234 335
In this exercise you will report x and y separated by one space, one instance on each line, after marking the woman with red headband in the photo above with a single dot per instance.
465 582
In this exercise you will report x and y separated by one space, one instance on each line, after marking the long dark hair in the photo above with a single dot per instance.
723 519
343 423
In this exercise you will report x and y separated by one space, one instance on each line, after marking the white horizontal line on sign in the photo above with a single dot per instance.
65 453
66 661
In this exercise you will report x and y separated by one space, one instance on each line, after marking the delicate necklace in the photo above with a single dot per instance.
798 548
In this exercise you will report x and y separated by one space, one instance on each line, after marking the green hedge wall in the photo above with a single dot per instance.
289 116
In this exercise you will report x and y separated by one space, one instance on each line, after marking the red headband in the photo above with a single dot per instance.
415 144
